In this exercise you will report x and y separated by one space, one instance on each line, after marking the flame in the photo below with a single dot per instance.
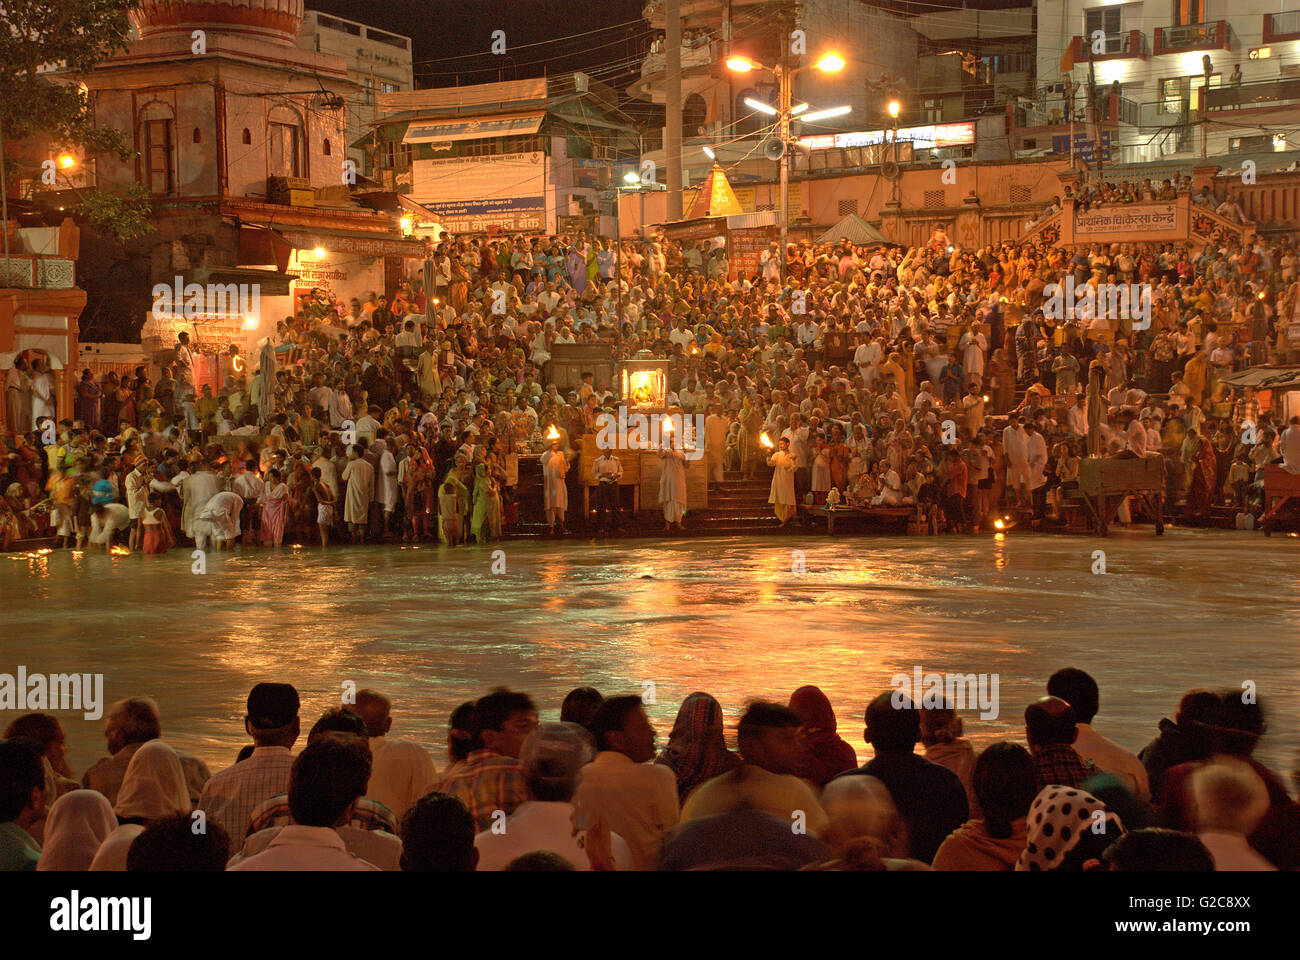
998 524
694 349
986 398
552 434
668 425
766 441
119 551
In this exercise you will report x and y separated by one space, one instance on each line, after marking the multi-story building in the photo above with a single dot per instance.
1163 79
377 62
534 156
971 62
241 147
876 46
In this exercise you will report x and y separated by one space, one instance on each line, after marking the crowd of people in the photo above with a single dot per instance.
590 791
927 376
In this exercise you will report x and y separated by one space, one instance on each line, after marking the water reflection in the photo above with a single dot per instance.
434 627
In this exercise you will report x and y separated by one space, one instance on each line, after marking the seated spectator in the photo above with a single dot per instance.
438 835
864 830
1080 691
580 705
941 735
402 770
621 790
930 798
154 787
171 844
740 839
825 753
325 782
766 780
23 799
553 757
1152 850
1069 830
78 824
697 750
1051 730
1230 800
1005 784
490 778
1184 739
232 795
539 861
129 724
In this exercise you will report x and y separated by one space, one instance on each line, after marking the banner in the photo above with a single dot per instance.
1134 218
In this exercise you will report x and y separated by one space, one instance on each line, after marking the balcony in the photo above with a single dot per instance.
1189 37
1263 94
1118 46
1281 26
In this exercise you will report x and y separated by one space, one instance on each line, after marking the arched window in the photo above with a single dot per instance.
248 136
284 143
694 112
198 135
327 148
157 148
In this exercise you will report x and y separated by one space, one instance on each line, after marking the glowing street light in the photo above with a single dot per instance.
830 63
826 114
760 106
67 161
631 177
741 64
710 154
319 253
894 107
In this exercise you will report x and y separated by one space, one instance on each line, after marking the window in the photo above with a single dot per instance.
394 155
157 149
1175 93
247 137
694 112
1198 83
283 147
325 148
1105 19
198 135
1188 12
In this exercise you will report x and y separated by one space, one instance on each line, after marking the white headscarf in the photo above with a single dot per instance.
154 785
77 824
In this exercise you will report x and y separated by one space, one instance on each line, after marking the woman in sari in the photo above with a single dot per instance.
153 788
78 824
275 508
1205 464
696 749
88 397
302 502
825 753
840 454
486 522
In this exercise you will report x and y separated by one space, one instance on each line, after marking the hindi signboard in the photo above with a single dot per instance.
1126 219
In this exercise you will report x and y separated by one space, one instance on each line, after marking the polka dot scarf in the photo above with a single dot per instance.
1058 819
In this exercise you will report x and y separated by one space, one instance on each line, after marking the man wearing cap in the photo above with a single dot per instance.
230 796
552 758
137 497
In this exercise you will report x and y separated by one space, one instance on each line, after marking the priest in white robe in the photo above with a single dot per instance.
782 495
359 476
554 467
672 485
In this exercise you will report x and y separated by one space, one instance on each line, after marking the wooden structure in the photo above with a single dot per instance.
1281 493
631 460
1104 483
881 516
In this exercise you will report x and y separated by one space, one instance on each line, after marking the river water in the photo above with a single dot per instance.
737 617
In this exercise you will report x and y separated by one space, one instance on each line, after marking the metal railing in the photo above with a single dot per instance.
1283 23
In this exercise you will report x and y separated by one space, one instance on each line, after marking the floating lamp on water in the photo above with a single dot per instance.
120 551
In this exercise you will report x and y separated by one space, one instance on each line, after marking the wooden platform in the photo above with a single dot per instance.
1105 482
882 516
1281 496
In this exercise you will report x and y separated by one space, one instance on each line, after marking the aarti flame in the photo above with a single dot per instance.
552 434
766 441
119 551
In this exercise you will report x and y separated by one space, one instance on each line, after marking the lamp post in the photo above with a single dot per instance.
785 111
894 109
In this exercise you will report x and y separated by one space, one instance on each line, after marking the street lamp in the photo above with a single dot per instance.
630 183
828 63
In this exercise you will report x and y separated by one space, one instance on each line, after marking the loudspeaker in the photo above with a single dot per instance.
773 149
889 170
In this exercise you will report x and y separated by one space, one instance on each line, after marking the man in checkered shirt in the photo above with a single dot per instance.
232 795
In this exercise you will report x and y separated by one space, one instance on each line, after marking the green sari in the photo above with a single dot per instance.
486 523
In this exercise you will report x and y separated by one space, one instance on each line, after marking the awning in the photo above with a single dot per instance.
854 229
391 202
338 241
270 283
259 246
471 128
1264 378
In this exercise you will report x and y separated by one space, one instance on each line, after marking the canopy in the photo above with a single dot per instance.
1264 378
854 229
716 198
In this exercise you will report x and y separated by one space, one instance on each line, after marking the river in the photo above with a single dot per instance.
738 617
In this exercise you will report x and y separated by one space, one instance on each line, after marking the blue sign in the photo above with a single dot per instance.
1084 146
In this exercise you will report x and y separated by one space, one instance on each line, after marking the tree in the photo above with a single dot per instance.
67 38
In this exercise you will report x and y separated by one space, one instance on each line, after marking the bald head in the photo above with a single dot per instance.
373 707
1050 720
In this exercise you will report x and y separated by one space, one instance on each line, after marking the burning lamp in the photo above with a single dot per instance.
552 434
766 441
407 223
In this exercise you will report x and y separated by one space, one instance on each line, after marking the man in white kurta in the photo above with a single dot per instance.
554 466
426 373
1036 449
1015 447
218 522
42 395
196 490
781 495
359 476
672 485
973 346
715 441
386 482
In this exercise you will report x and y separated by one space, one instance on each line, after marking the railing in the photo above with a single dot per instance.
1261 93
1052 111
1116 46
1216 35
1281 26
